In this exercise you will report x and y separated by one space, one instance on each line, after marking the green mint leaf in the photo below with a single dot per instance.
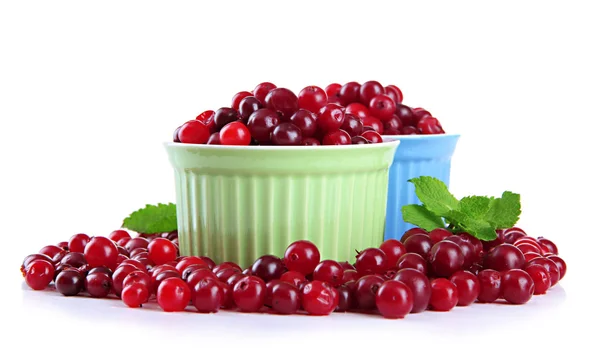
479 228
504 212
475 206
434 195
153 219
419 215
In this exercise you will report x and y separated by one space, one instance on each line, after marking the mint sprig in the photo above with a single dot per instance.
153 219
479 216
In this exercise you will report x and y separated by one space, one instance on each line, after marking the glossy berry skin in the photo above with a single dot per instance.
394 93
467 285
446 258
350 93
333 89
352 125
235 133
238 97
429 125
312 98
286 134
366 290
209 262
512 234
173 294
560 264
419 244
406 115
227 299
444 295
248 106
330 117
527 248
268 267
359 140
138 276
540 277
261 90
33 257
437 235
74 259
394 123
517 286
188 261
161 251
261 124
504 257
547 246
306 121
226 273
98 284
382 107
135 243
413 231
372 136
249 293
330 272
207 295
412 261
550 267
54 252
285 298
370 89
371 261
38 274
394 299
337 137
345 299
207 118
199 275
350 275
101 251
419 285
119 276
318 298
77 242
302 256
490 283
293 277
310 142
135 295
158 278
282 101
224 116
193 132
393 250
374 123
69 282
409 130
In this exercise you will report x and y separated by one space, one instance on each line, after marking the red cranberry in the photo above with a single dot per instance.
330 117
466 247
394 93
224 116
504 257
235 133
350 93
227 299
38 274
237 99
224 274
527 248
162 251
286 134
319 298
310 142
352 125
512 234
282 101
333 90
285 298
429 125
302 256
372 136
374 123
446 258
437 235
306 121
540 277
98 284
444 295
345 299
371 261
413 231
188 261
467 285
358 110
209 262
101 251
198 275
382 107
393 250
490 283
419 286
394 299
249 293
359 140
350 275
261 90
337 137
173 295
138 276
560 264
268 267
135 243
366 291
193 132
413 261
419 244
207 295
550 266
330 272
74 259
406 115
393 124
517 286
410 130
248 106
54 252
312 98
262 123
214 139
207 118
77 242
530 255
293 277
548 246
370 89
69 282
135 295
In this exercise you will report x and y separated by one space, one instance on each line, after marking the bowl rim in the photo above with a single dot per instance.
388 143
421 136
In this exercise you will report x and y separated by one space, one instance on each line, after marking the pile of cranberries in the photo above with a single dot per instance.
423 271
338 115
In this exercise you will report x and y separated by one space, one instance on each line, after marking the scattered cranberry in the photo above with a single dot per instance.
161 251
419 244
504 257
98 284
517 286
118 235
330 272
413 261
38 274
394 299
467 285
77 242
262 123
135 295
138 276
249 293
350 93
54 252
419 285
69 282
75 259
333 89
198 275
285 298
318 298
101 251
540 277
547 246
237 99
446 258
312 98
444 295
235 133
560 264
550 266
366 291
370 89
350 275
490 283
345 299
119 276
302 256
261 90
173 294
135 243
393 250
282 101
382 107
188 261
371 261
293 277
193 132
352 125
268 267
207 295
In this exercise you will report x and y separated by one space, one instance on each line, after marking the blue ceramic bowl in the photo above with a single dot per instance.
417 155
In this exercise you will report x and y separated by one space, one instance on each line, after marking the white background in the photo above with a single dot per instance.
89 91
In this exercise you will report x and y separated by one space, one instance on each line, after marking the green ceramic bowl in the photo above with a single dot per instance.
238 203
